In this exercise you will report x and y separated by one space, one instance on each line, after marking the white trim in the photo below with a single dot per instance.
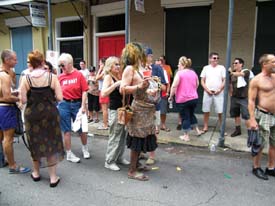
109 33
58 39
185 3
18 22
10 2
108 9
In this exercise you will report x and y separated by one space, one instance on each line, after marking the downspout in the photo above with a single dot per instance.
228 60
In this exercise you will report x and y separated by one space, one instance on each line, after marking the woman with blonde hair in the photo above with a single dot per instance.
117 132
141 129
41 89
185 87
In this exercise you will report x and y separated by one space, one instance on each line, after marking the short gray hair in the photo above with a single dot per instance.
67 58
6 54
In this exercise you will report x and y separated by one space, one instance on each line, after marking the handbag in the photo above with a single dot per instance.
19 129
124 113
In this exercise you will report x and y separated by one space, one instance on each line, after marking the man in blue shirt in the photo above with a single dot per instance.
156 71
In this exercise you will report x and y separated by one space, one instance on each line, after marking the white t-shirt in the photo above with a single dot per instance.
213 76
85 73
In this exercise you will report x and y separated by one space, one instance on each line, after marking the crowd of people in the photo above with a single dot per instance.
51 102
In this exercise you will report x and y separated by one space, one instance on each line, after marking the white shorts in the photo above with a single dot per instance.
157 118
209 99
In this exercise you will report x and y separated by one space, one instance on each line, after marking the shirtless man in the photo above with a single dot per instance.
7 109
262 116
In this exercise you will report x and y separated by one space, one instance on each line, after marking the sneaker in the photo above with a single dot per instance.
112 166
19 170
270 172
72 158
123 162
85 151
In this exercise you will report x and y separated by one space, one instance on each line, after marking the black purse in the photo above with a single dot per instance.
19 129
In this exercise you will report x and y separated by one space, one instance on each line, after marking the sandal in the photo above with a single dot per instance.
97 120
157 131
184 138
19 170
143 168
138 176
166 129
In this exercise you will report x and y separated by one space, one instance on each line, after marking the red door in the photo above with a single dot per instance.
110 46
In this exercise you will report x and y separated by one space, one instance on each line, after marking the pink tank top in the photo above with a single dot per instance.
187 87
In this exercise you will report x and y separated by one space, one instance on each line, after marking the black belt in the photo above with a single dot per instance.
265 112
72 100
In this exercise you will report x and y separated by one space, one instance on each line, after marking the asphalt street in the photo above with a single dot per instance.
182 175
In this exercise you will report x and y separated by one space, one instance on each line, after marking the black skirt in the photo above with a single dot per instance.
147 144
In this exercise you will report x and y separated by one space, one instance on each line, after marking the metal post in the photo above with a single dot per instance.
50 33
228 60
126 21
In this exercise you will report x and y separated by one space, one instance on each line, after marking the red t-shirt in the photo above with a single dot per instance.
73 85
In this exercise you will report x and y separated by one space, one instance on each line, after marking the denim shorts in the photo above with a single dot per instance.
8 117
68 112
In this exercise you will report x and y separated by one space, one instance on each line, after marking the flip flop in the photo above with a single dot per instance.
138 176
165 129
157 131
143 168
204 131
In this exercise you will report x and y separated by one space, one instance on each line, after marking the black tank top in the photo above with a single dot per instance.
115 98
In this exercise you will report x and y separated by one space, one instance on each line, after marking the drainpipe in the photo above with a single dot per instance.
228 60
126 21
50 33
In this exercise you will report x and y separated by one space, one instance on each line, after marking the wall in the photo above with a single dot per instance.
148 28
242 33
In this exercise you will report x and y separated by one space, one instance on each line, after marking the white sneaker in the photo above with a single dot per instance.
112 166
123 162
72 158
85 151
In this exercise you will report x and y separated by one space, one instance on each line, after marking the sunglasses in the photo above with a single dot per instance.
61 65
117 64
215 57
236 63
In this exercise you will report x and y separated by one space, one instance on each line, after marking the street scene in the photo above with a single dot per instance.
137 102
182 175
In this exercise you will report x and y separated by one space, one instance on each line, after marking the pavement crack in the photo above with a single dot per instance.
135 199
208 200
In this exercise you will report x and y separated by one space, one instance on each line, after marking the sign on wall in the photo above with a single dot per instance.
139 4
37 13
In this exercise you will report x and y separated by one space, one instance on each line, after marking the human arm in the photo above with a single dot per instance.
108 86
23 90
252 95
127 81
174 87
57 88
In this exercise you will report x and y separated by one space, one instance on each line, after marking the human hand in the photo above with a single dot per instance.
253 124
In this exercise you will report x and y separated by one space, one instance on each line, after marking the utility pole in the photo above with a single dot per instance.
50 33
126 21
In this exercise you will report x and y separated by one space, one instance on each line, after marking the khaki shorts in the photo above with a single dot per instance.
266 124
208 100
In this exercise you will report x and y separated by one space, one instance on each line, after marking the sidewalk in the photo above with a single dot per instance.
211 137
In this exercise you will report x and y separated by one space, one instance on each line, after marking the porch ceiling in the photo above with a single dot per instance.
13 5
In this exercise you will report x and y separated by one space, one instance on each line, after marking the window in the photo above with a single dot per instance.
111 23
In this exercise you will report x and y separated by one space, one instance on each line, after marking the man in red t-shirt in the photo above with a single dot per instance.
74 88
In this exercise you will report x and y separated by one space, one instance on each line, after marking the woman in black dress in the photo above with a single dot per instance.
40 90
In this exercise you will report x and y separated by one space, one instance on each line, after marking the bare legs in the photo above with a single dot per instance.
7 137
205 121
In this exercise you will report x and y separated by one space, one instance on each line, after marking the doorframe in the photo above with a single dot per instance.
100 11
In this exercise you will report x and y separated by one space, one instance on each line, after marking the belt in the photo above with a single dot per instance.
7 104
265 112
72 100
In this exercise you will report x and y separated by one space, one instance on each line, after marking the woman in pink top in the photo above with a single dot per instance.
184 87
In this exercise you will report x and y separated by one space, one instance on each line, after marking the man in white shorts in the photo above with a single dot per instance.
212 81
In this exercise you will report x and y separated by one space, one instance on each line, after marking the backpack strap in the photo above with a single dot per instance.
50 79
29 80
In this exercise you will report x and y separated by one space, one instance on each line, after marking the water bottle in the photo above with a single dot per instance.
170 104
213 148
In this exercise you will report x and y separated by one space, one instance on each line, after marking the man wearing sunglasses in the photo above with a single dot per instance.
239 81
74 88
212 81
